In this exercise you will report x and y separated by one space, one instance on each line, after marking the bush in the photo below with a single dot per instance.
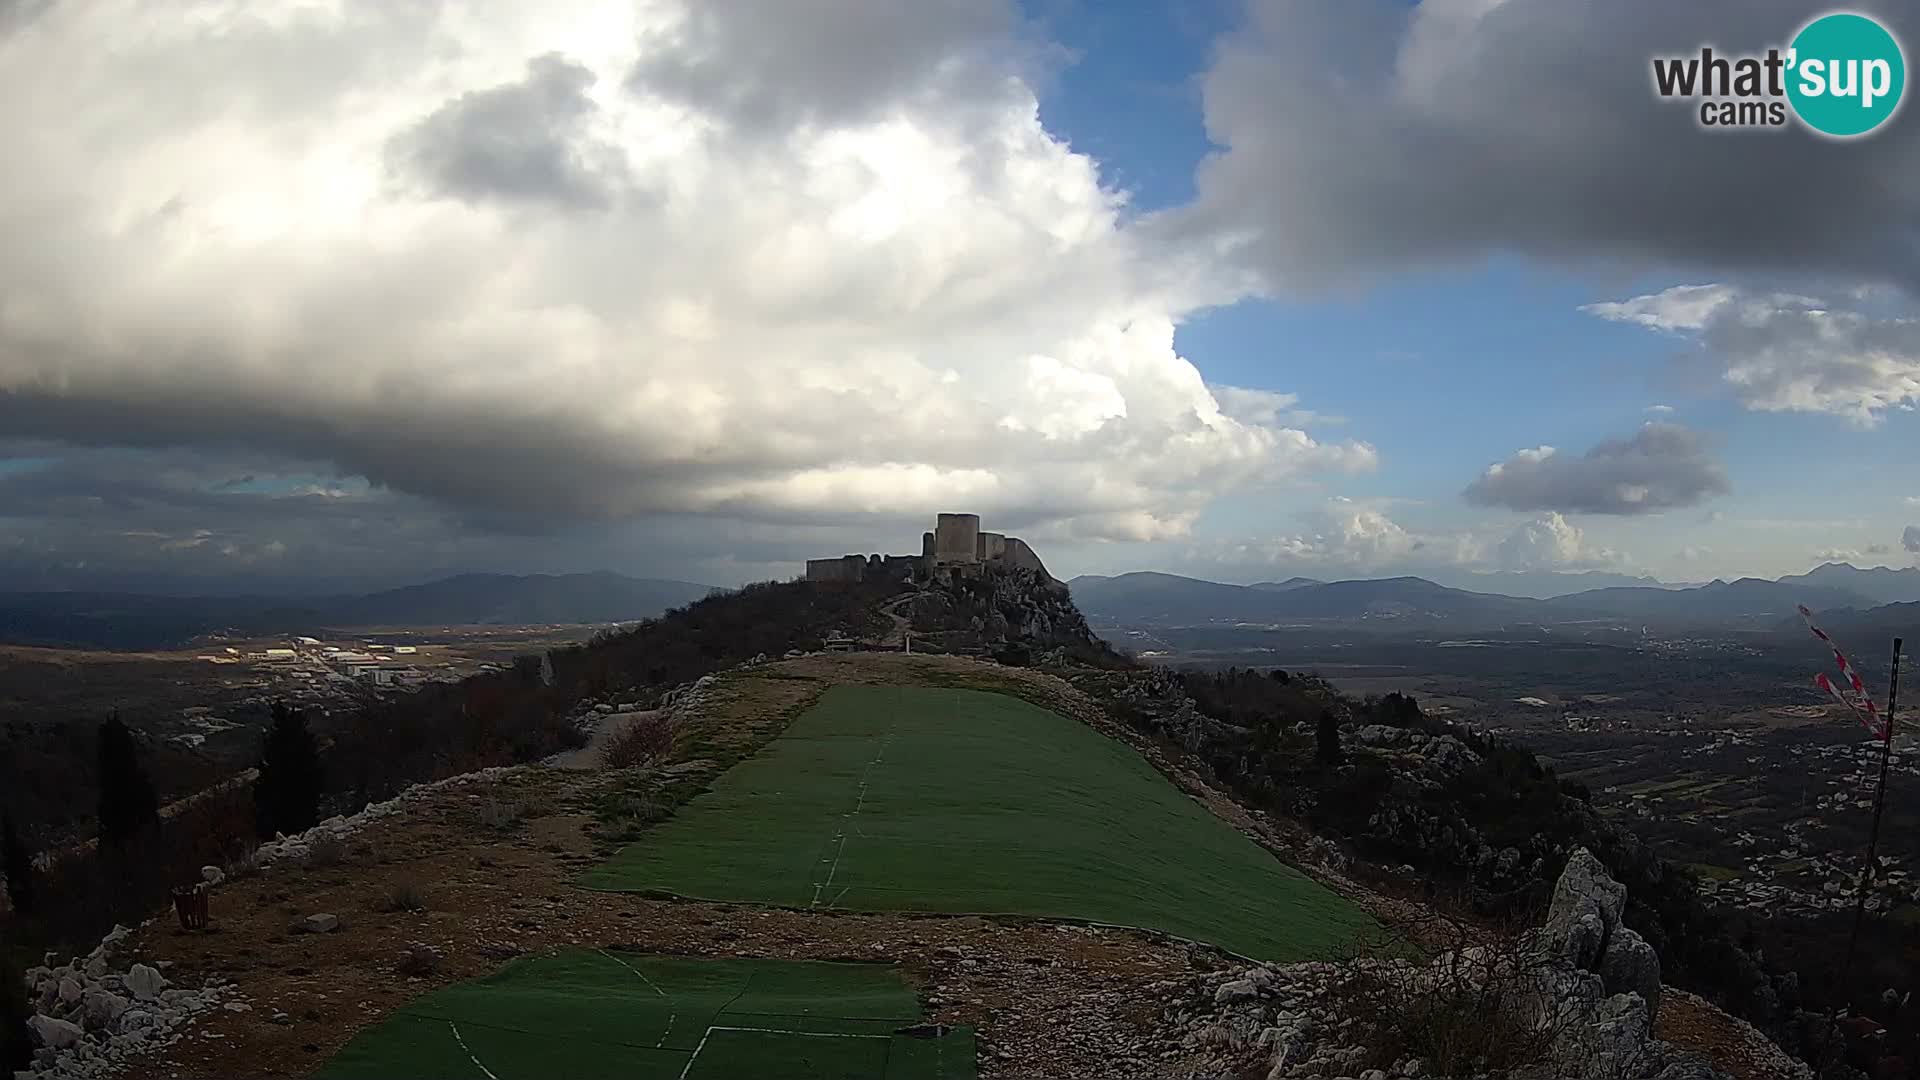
420 961
647 739
1327 738
286 797
128 804
17 863
1469 1012
326 852
16 1042
403 896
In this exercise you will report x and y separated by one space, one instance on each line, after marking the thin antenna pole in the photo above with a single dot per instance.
1879 807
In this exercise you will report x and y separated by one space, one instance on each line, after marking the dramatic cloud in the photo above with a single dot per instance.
1362 136
592 261
1662 467
1550 542
1782 353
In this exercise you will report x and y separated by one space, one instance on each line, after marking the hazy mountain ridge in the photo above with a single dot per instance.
1753 603
134 621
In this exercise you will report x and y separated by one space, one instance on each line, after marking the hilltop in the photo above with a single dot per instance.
454 880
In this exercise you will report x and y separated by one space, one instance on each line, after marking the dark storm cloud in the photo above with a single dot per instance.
1662 467
1364 136
769 65
521 142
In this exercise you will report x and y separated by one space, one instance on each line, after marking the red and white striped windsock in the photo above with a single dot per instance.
1860 702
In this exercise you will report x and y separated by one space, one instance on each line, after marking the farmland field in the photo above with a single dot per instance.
961 801
590 1014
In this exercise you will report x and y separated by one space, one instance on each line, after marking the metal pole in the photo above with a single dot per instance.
1879 807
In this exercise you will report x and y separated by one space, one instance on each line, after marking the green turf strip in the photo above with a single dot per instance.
591 1014
960 801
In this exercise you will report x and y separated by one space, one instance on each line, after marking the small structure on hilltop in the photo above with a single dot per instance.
955 547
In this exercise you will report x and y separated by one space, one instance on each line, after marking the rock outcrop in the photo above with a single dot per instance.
1585 928
1579 995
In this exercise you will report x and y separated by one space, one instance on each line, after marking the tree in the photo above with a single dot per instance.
127 800
1327 738
16 1042
286 797
17 863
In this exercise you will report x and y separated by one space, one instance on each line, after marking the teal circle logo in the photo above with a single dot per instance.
1846 75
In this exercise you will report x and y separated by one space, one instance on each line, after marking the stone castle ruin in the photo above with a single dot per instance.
955 548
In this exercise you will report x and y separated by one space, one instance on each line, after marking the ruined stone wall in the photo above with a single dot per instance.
846 568
991 546
1018 554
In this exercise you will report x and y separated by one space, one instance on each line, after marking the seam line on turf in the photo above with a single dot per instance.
672 1015
455 1028
854 818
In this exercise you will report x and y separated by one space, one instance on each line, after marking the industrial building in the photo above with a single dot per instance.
955 546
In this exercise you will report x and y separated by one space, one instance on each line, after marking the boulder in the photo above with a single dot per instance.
103 1008
212 875
320 923
134 1021
144 983
55 1034
1235 991
70 990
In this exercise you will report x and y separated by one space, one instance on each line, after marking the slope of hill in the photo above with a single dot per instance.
1399 789
1875 586
133 621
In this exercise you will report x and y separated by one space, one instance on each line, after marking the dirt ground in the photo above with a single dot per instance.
491 865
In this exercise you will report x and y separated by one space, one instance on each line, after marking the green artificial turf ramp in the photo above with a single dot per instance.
591 1014
961 801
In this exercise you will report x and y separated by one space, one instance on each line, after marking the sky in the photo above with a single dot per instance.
303 296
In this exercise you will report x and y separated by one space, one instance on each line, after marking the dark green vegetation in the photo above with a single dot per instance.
127 801
625 1016
375 751
914 799
1454 833
286 795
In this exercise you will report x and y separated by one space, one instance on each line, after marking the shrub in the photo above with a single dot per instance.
1469 1012
16 1042
420 961
286 797
403 896
645 740
1327 738
17 863
326 852
127 800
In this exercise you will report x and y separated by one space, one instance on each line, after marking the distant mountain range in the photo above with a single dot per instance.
1841 591
131 621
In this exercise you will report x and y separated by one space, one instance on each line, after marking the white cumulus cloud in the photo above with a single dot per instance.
588 259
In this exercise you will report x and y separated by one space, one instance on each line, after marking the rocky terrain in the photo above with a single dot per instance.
320 934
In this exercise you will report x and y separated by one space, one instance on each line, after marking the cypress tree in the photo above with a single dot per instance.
16 1041
286 797
1327 736
127 800
17 863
